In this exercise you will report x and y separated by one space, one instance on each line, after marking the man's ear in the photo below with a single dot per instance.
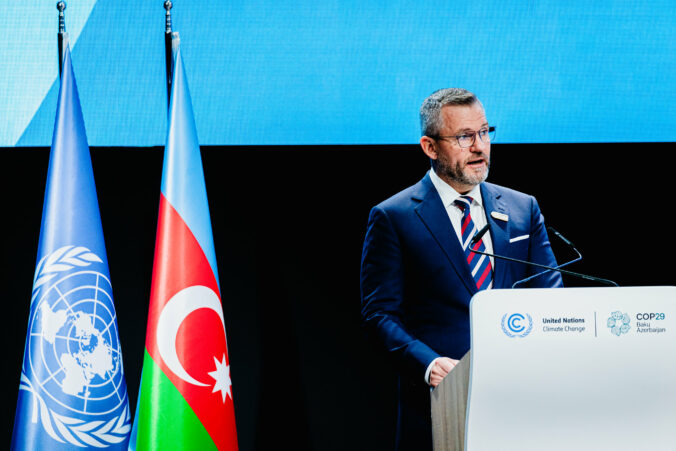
429 146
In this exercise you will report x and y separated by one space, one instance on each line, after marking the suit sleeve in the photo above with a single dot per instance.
541 251
382 294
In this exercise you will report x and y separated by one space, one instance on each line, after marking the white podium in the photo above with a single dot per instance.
565 369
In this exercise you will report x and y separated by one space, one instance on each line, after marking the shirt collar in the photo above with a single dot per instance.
448 194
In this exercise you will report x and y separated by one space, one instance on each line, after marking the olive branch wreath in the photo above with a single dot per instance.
511 335
78 432
62 259
75 431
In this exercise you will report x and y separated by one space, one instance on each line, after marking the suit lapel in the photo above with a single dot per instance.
433 214
499 230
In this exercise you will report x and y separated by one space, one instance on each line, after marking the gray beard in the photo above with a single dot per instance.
456 174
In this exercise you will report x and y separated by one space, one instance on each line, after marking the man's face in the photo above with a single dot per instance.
462 168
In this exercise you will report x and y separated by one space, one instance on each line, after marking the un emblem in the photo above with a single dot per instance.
618 323
517 325
73 362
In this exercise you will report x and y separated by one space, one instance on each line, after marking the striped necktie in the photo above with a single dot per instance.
479 265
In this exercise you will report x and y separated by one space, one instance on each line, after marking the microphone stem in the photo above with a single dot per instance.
528 279
563 271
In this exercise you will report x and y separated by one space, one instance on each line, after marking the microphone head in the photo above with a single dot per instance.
561 237
480 234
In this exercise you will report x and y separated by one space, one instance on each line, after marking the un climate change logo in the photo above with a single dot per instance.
618 323
516 325
73 362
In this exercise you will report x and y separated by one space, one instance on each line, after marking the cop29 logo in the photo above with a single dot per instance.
517 325
618 323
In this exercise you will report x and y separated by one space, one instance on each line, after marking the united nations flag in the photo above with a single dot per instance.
72 392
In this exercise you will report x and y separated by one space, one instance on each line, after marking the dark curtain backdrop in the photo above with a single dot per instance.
288 228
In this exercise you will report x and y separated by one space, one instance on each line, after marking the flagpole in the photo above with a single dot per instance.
62 35
171 41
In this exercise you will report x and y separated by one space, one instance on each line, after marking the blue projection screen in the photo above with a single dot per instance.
345 72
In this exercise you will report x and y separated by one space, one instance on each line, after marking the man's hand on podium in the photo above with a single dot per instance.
440 368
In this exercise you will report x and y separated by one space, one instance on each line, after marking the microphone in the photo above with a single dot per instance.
548 268
562 238
568 243
475 239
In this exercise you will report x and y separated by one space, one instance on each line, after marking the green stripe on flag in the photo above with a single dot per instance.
165 420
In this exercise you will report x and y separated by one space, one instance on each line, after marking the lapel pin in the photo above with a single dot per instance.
500 216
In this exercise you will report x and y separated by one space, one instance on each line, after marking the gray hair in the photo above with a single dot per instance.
430 110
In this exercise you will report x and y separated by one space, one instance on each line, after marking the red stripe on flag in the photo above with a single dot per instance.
181 263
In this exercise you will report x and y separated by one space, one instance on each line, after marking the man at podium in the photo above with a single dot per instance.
418 270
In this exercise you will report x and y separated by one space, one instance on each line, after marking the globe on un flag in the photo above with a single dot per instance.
73 360
74 349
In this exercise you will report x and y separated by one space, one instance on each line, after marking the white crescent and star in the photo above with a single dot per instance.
172 316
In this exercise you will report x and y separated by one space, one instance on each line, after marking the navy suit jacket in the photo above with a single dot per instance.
416 284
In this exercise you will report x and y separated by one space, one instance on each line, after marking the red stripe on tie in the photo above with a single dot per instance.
484 275
476 247
465 224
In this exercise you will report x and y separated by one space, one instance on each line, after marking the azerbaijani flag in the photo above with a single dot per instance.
185 399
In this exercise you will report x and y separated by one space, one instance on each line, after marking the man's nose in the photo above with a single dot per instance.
479 146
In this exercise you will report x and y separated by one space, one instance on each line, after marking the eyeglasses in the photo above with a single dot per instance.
486 135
